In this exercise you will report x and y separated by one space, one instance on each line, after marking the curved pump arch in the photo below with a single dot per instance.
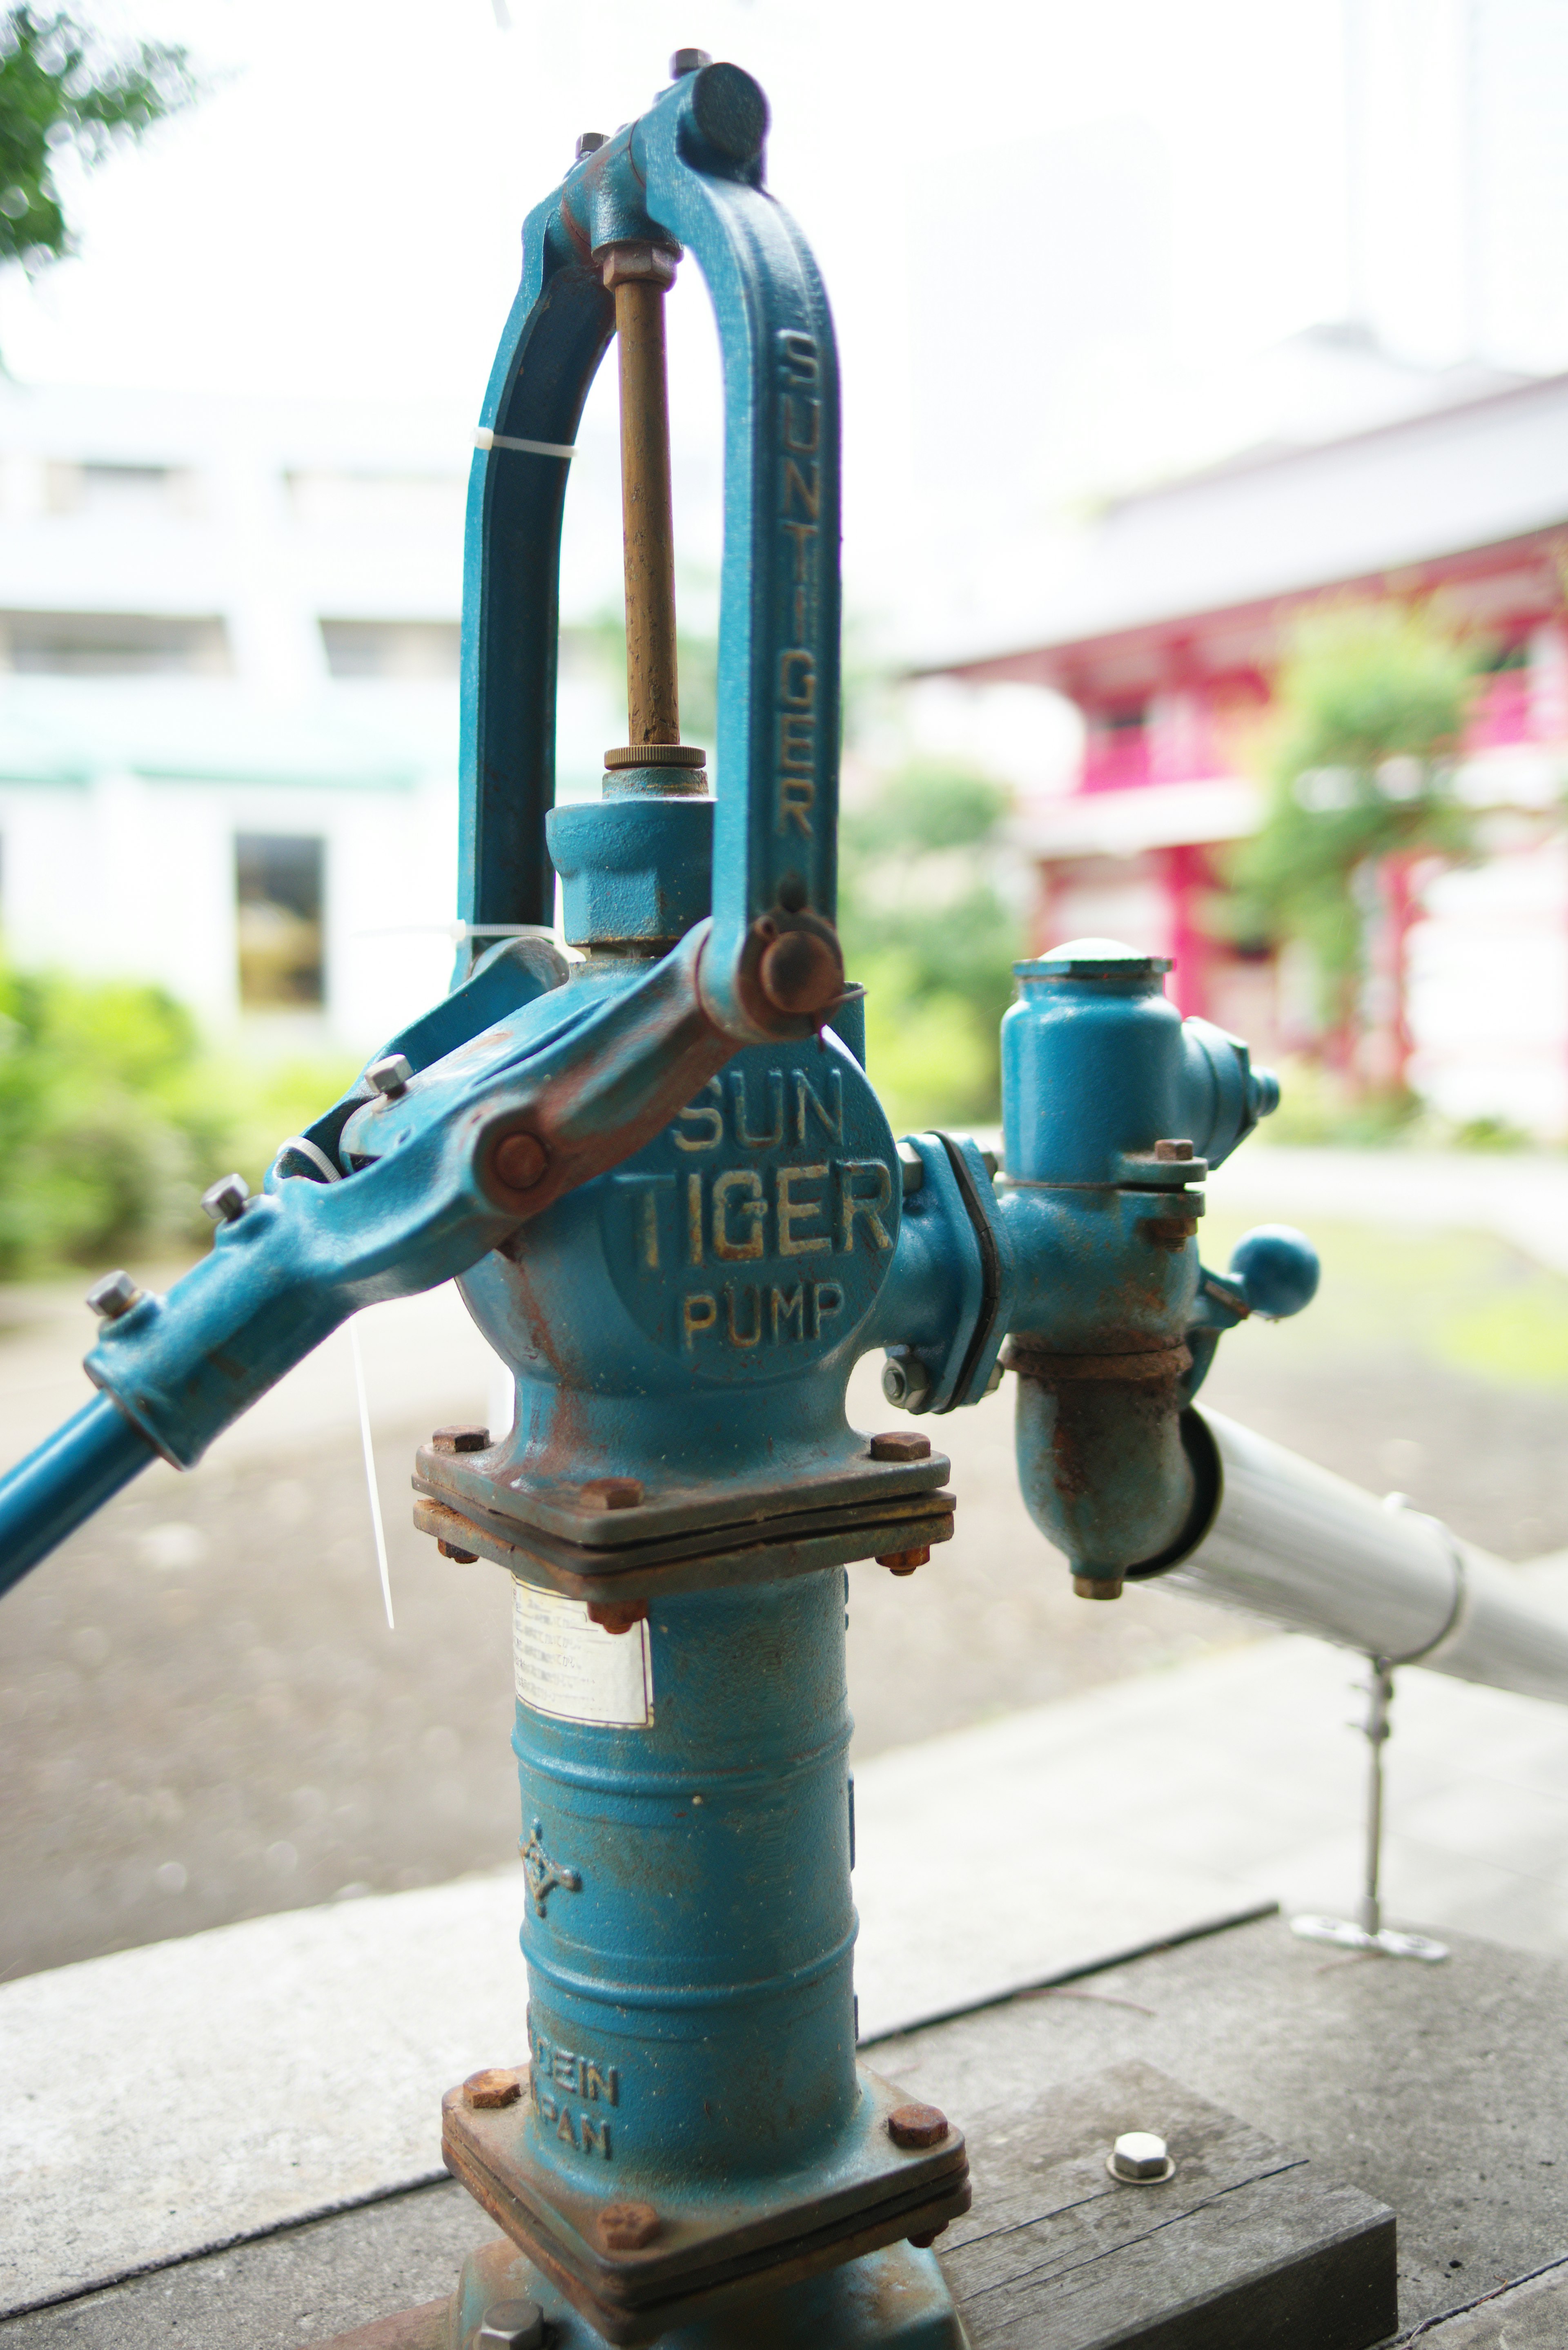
686 176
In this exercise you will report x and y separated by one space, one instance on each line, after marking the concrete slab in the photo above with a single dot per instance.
1438 2091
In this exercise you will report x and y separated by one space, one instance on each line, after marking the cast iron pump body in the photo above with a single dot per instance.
674 1206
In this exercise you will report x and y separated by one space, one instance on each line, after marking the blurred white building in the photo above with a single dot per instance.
228 702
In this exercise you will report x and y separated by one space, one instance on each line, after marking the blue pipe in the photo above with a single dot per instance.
72 1473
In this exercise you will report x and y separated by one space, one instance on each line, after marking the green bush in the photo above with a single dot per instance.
114 1118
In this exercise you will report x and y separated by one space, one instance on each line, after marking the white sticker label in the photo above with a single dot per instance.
566 1666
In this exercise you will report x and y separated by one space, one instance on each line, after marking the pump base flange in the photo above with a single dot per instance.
714 2252
892 2299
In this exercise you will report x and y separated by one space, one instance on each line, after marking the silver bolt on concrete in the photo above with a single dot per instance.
1140 2158
390 1075
226 1199
511 2325
115 1295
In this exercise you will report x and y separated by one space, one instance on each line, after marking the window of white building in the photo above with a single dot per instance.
280 888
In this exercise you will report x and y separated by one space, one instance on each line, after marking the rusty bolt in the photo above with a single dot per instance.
588 141
610 1493
463 1557
688 61
900 1444
467 1438
800 973
511 2325
498 2084
927 2237
1097 1586
627 2227
1173 1150
226 1200
115 1295
520 1162
917 2126
617 1615
903 1562
390 1074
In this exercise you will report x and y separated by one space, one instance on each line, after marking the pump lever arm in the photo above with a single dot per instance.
477 1145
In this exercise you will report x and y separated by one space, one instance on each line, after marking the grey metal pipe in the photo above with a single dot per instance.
1308 1552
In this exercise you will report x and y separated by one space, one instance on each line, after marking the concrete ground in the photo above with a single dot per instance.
203 1716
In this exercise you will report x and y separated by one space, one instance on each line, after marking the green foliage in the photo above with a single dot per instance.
1371 700
63 91
928 935
112 1121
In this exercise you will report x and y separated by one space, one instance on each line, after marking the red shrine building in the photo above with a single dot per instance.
1165 634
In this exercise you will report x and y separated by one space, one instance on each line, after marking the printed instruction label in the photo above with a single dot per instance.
566 1666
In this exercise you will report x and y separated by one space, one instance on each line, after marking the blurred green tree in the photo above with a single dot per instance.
1370 703
66 92
932 937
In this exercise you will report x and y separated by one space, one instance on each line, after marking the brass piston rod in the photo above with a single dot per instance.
638 277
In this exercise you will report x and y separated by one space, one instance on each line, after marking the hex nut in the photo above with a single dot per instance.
610 1493
627 2227
991 1163
511 2325
226 1200
497 2086
1173 1150
390 1074
900 1444
617 1615
911 1168
906 1382
464 1439
1140 2158
688 61
903 1562
589 142
451 1550
998 1373
1096 1586
115 1295
917 2126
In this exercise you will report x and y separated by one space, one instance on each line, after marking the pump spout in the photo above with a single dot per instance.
1308 1552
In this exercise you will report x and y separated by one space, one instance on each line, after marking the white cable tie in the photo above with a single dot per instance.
308 1149
484 438
371 1483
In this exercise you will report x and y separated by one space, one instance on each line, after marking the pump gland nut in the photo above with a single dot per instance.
519 1161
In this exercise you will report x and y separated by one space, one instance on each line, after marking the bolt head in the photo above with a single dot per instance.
917 2126
460 1440
998 1373
627 2227
463 1557
390 1074
911 1168
226 1200
520 1162
1173 1150
115 1295
497 2086
1141 2155
1096 1586
903 1562
900 1444
688 61
589 142
991 1162
511 2325
800 973
610 1493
